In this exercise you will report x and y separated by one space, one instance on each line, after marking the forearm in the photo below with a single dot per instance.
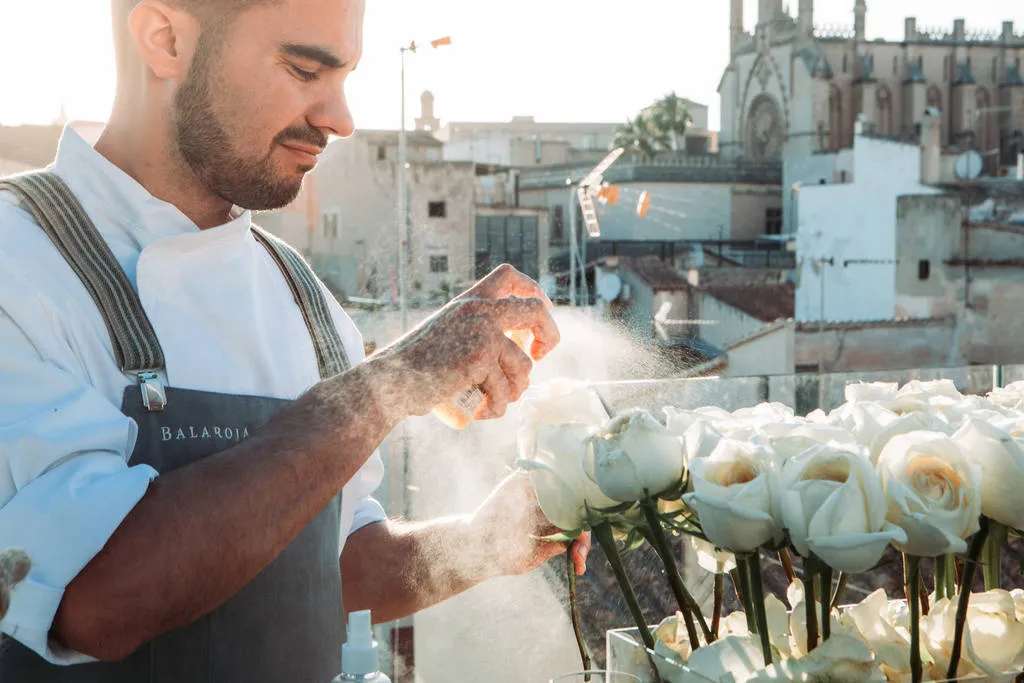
398 568
202 532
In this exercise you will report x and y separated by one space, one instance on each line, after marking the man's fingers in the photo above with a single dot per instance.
497 390
528 314
505 281
517 366
579 550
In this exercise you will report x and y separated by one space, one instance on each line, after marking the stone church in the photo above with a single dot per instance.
796 85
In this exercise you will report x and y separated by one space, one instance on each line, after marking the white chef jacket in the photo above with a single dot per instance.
226 320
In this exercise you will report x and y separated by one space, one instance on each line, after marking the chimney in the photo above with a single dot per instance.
959 29
1007 31
931 146
910 28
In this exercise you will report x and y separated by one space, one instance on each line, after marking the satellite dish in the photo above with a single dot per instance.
968 165
548 284
609 286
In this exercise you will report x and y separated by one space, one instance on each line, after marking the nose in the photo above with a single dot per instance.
333 115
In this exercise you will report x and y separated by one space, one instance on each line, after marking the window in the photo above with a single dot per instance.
945 67
382 153
995 69
330 224
436 209
895 65
439 264
558 224
924 269
844 63
773 222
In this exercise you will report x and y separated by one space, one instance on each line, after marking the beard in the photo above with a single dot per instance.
206 142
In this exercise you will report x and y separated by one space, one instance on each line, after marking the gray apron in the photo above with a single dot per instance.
287 624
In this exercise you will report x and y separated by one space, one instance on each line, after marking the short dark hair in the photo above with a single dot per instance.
212 14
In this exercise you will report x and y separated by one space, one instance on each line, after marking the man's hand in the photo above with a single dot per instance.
512 521
464 346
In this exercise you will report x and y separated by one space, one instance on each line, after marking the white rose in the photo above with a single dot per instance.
1010 396
875 392
699 441
804 437
679 421
734 495
1001 459
633 457
834 507
840 658
710 558
559 402
919 395
922 421
732 658
864 420
934 492
563 490
870 620
993 638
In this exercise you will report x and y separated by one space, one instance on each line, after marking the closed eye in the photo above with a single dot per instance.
302 74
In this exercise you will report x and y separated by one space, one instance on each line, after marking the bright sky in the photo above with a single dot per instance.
558 60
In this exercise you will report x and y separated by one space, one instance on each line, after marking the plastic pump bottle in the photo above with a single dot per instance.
359 660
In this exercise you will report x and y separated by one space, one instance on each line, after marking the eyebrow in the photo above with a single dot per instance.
313 53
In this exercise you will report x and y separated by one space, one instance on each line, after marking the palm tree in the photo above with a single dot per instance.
641 135
671 117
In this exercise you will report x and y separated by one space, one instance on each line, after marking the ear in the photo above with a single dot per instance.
165 38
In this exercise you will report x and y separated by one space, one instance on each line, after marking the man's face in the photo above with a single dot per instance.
263 94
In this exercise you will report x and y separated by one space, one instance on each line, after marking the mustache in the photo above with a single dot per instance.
310 136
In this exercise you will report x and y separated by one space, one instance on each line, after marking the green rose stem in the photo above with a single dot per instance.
575 614
744 592
826 601
734 574
966 582
922 592
716 617
939 574
787 564
809 607
603 533
911 580
753 563
951 576
837 599
991 564
687 605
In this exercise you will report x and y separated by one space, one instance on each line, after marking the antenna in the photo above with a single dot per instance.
588 189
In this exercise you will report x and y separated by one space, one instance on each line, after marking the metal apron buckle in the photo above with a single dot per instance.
154 398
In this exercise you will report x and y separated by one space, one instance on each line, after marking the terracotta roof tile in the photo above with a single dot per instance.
657 274
766 302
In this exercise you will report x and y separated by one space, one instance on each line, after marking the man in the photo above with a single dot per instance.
185 418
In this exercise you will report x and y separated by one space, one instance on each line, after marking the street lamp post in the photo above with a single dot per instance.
402 201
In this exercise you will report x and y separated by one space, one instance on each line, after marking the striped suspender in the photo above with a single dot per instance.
330 351
136 348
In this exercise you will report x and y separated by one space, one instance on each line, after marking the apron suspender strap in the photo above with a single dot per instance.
59 214
330 351
137 350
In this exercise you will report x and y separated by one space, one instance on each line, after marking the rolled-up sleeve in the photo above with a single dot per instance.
65 485
359 507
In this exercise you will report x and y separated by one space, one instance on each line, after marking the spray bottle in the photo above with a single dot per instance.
458 412
359 660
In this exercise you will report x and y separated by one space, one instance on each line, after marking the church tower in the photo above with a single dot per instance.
735 25
805 19
427 121
860 13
